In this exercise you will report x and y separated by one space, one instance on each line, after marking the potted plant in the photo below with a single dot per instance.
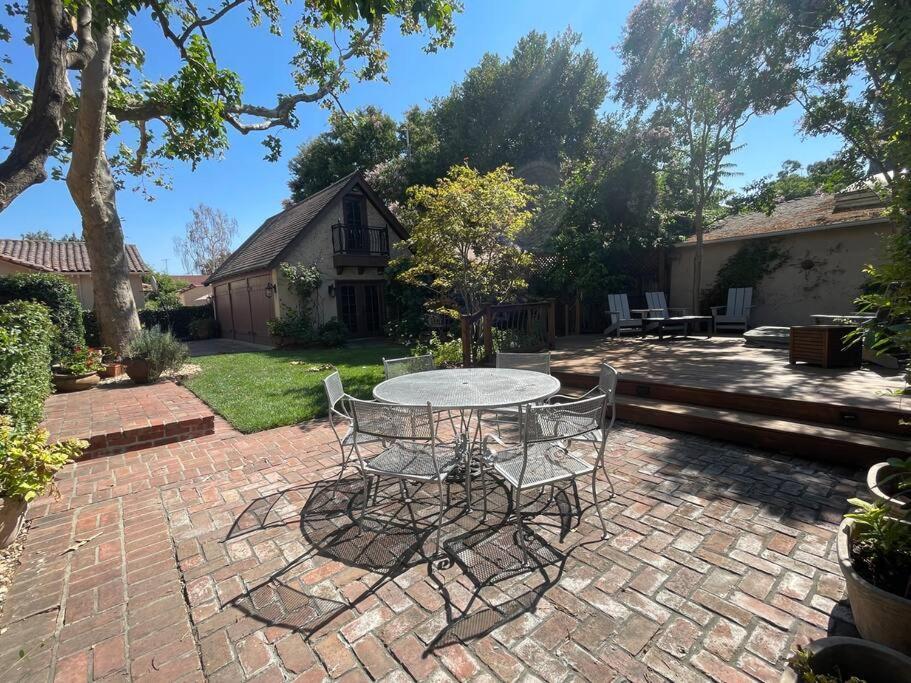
113 367
890 482
844 660
151 353
78 371
874 552
27 467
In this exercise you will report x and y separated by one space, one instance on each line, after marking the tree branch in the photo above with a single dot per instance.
85 46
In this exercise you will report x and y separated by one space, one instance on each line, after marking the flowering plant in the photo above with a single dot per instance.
81 361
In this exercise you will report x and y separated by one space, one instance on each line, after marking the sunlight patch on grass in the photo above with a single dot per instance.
265 389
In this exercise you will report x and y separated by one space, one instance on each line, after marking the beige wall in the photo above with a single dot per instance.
191 296
82 282
822 273
315 248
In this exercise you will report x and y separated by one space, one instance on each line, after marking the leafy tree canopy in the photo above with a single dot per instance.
164 294
463 237
46 236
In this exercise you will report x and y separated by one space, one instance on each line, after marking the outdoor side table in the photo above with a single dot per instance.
685 320
823 345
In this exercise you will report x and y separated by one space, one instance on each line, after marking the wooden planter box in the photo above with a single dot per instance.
823 345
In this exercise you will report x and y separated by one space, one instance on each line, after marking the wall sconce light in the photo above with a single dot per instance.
332 290
270 290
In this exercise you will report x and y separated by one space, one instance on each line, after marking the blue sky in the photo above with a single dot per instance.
251 189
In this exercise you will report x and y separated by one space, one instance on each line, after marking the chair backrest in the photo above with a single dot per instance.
558 421
607 382
739 301
396 367
537 362
335 392
392 421
619 304
657 304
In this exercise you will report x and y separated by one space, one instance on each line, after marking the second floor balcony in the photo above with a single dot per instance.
360 245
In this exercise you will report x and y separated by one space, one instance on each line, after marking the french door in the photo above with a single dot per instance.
361 307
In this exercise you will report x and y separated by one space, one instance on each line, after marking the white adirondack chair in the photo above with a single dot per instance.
736 315
620 317
658 308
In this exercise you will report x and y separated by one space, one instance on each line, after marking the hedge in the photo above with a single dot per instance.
26 337
59 295
177 320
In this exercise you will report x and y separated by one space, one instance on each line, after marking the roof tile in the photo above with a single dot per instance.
59 256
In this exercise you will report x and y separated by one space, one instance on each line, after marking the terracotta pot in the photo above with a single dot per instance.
138 370
112 370
847 657
12 515
65 383
887 493
880 616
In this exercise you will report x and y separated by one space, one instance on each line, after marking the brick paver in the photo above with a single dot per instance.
236 558
121 416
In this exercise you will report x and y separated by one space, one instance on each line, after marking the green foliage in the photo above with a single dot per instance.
303 280
802 664
28 463
177 320
831 175
753 261
203 328
407 304
297 328
80 361
165 293
160 350
264 389
55 292
359 140
447 353
26 336
45 236
881 550
463 236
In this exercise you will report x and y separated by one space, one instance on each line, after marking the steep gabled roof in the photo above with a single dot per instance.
60 257
264 248
817 212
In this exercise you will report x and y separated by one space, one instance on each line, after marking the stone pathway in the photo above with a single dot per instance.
235 558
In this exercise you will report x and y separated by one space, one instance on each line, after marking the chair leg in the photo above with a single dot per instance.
597 504
364 504
517 510
439 519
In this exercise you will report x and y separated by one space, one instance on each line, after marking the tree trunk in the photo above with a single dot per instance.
697 260
43 125
92 188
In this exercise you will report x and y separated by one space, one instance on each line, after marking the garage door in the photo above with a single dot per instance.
244 309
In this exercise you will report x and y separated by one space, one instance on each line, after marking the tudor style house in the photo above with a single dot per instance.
345 230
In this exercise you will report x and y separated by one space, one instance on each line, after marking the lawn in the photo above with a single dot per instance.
264 389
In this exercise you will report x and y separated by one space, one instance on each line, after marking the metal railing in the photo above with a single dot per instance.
358 239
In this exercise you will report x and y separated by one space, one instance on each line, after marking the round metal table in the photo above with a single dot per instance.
468 388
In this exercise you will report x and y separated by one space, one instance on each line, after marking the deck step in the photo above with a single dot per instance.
845 446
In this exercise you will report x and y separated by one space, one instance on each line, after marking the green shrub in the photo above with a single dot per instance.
446 354
177 320
26 337
297 328
160 350
28 462
59 295
203 328
333 333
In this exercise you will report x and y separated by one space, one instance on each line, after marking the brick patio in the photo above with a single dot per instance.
122 416
235 558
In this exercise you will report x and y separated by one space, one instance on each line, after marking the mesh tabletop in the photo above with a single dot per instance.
468 388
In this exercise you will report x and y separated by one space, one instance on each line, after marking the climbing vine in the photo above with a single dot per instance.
746 268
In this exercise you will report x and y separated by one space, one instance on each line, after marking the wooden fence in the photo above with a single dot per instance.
507 327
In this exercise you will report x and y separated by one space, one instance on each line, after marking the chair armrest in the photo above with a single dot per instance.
569 399
678 308
715 309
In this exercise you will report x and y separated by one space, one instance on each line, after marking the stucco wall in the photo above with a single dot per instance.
822 273
82 282
191 296
315 248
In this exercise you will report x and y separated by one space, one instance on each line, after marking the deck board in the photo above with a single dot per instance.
726 364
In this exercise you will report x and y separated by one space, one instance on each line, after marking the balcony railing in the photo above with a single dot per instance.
360 240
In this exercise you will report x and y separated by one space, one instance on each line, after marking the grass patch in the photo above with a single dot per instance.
264 389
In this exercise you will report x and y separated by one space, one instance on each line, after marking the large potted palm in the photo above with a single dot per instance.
27 467
874 552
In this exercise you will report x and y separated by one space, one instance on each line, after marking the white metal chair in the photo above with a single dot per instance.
544 457
621 318
412 451
535 362
736 314
607 387
340 418
396 367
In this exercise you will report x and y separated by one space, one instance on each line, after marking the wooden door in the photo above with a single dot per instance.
361 307
223 310
261 308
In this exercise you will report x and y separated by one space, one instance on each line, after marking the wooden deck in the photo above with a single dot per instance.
725 364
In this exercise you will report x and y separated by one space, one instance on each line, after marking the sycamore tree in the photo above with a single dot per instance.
703 69
184 116
463 238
